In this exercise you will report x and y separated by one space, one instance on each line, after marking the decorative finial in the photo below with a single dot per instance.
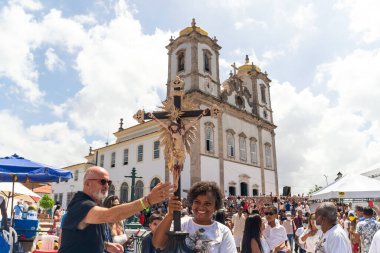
231 73
171 39
90 151
193 23
246 59
215 39
265 73
106 143
121 125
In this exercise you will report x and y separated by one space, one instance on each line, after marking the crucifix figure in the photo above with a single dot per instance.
176 134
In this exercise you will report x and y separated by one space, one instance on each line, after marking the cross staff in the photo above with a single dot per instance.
234 67
177 136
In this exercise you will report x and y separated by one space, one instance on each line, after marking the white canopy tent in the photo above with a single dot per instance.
350 186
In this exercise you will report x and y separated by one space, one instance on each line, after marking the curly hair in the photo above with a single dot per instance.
202 188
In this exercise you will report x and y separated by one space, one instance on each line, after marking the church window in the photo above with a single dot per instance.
239 101
268 155
139 189
181 61
124 192
113 159
209 132
156 149
111 190
207 60
253 146
140 153
126 156
263 95
76 175
154 182
230 145
242 148
69 197
101 161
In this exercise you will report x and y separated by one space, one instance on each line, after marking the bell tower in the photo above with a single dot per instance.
194 57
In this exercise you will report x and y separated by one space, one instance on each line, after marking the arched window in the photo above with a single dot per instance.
268 155
230 145
209 132
181 61
253 147
124 192
207 60
154 182
139 189
263 95
111 190
242 147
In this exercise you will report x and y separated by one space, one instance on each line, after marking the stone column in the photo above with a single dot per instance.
221 153
275 160
195 158
261 155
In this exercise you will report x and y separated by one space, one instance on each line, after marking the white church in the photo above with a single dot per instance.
237 150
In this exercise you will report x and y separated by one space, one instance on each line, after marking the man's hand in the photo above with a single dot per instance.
114 248
160 192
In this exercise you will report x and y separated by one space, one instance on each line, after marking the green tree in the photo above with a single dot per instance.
46 202
315 189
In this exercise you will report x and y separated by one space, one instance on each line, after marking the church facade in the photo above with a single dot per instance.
237 150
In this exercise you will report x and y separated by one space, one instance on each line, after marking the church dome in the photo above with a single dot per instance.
189 29
248 66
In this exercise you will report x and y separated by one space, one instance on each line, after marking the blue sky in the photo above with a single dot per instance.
69 70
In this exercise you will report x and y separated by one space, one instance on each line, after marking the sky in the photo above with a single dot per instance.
69 70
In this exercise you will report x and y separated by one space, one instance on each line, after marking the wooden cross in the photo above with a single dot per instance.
177 136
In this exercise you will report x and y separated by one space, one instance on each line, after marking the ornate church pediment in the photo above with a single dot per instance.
232 183
235 93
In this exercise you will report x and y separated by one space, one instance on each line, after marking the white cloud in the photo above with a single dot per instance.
304 17
27 4
122 70
249 23
364 18
229 4
317 137
54 144
52 60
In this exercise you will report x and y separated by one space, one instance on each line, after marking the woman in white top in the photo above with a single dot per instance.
253 239
117 229
205 234
311 235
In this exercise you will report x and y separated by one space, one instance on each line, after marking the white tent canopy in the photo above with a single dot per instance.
20 192
350 186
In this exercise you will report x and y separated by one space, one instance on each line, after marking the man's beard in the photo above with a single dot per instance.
100 196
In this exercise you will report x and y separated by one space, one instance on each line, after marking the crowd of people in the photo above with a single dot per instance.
214 223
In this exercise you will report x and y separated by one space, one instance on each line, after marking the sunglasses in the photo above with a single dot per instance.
269 213
103 181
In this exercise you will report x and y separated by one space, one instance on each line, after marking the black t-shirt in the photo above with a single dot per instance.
147 245
91 239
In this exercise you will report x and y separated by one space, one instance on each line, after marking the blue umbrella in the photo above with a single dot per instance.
18 169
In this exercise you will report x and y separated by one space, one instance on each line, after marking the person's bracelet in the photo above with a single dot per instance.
147 200
142 203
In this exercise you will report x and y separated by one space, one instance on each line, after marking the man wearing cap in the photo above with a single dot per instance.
290 228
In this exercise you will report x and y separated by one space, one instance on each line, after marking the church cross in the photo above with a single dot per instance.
234 67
